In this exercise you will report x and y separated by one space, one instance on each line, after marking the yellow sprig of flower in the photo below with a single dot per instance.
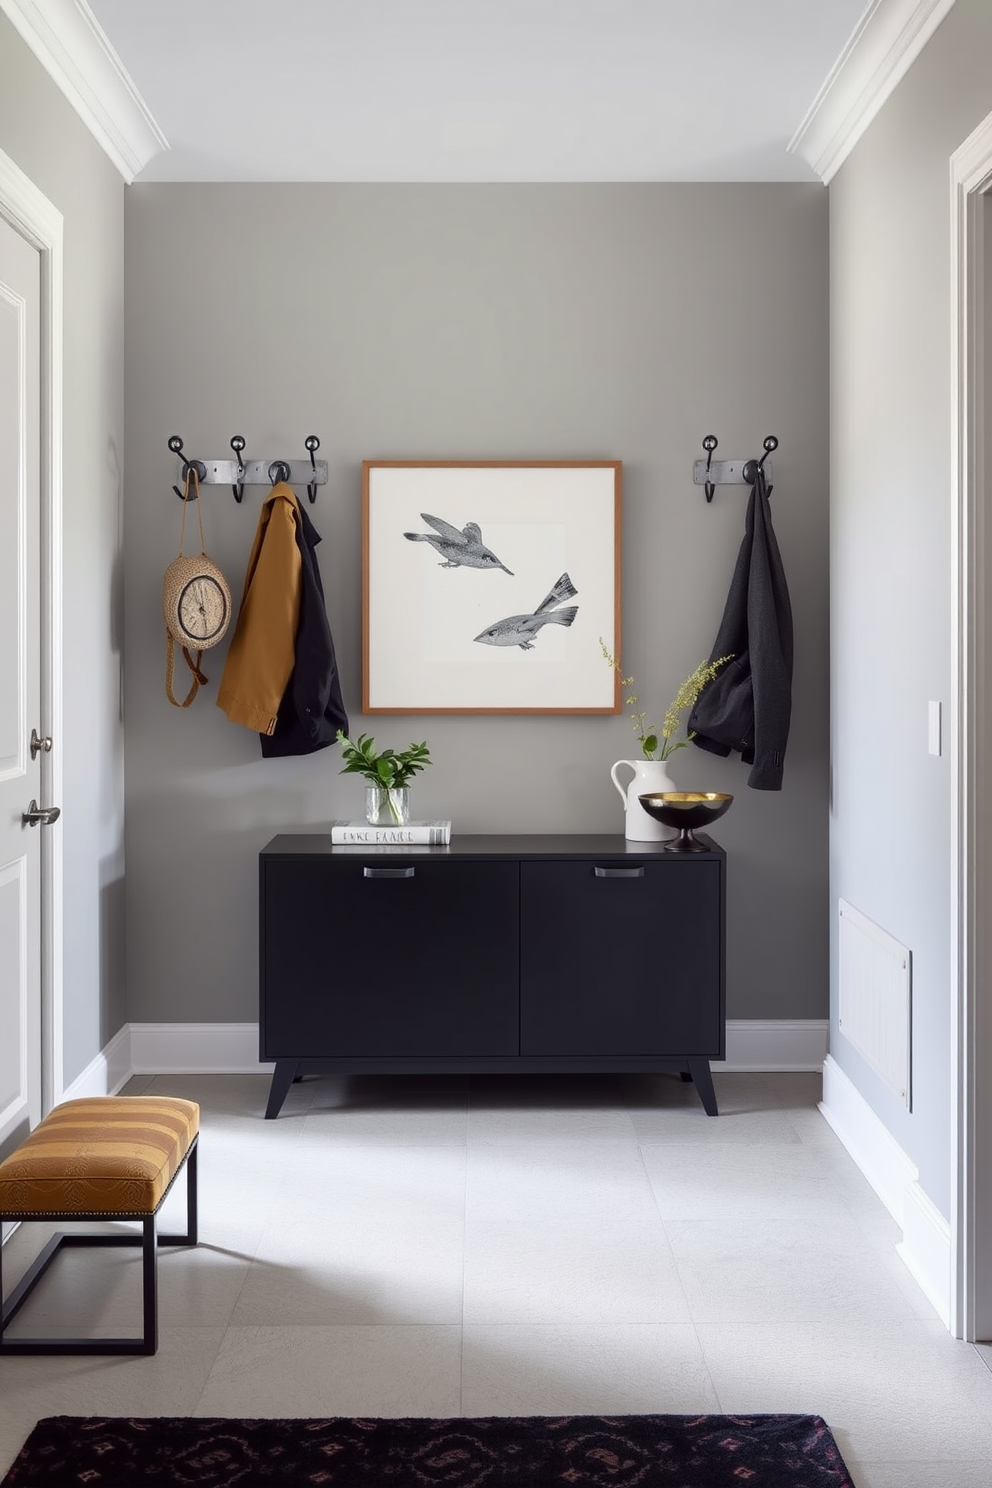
686 697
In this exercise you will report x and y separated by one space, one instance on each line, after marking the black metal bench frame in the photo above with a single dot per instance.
147 1239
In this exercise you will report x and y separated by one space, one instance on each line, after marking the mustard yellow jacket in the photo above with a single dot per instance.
261 655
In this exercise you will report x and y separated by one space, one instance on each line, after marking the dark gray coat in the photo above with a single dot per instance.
312 709
748 705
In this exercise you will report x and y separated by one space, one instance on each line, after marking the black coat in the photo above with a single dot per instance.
312 709
748 705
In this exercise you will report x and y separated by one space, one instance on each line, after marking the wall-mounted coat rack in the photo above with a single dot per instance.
239 472
712 473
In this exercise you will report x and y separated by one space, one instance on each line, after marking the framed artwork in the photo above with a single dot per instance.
487 585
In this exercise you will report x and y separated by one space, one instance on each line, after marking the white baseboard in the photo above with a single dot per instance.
769 1044
925 1248
876 1152
232 1048
196 1049
107 1073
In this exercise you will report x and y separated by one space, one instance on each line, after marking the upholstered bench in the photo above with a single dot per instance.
106 1158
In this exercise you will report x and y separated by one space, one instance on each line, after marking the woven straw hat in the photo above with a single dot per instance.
196 603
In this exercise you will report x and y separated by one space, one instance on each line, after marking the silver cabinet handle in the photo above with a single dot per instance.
389 872
40 815
619 872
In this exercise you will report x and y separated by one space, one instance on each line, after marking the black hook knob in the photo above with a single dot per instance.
280 470
750 471
312 443
709 445
176 446
237 445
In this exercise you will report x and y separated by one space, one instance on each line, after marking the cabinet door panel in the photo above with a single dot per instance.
621 965
356 965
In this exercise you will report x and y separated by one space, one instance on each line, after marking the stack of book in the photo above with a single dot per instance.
411 834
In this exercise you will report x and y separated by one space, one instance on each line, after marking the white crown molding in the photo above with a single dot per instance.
889 37
69 43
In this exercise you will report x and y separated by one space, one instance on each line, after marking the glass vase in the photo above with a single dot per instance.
387 808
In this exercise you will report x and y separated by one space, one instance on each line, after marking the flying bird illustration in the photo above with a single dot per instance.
464 549
520 630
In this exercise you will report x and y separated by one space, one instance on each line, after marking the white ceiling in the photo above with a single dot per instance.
478 90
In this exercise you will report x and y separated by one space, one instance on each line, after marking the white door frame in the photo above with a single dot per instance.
971 789
33 216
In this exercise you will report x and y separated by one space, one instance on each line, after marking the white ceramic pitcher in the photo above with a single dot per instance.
649 776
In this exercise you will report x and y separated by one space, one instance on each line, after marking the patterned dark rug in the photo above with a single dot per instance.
490 1452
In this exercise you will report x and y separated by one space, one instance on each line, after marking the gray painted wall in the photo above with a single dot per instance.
890 548
46 139
615 322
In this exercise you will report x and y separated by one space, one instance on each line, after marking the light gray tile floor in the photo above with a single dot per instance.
523 1246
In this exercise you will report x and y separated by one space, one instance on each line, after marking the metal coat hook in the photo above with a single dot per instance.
237 445
750 471
709 445
312 443
710 473
176 446
239 472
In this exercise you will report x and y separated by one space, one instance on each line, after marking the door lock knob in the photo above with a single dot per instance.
37 745
40 815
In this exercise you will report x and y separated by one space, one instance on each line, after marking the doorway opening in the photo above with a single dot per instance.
33 217
971 803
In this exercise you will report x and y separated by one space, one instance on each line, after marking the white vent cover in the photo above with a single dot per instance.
874 1003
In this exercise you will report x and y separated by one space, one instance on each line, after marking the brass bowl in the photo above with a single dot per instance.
685 810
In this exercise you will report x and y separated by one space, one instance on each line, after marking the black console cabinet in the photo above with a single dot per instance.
494 954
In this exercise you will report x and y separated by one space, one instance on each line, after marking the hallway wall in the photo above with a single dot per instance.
46 139
890 550
602 322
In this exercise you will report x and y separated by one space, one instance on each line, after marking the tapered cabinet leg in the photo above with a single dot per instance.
702 1078
282 1077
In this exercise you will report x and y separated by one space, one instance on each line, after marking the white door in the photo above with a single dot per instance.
20 686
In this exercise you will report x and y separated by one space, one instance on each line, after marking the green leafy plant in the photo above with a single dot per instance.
387 768
661 743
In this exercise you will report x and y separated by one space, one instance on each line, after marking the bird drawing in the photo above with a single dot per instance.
459 549
520 630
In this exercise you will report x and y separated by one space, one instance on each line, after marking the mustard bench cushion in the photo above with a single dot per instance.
103 1155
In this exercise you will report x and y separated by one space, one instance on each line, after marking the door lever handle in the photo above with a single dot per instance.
40 815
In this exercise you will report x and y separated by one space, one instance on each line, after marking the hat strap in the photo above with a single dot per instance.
194 666
194 479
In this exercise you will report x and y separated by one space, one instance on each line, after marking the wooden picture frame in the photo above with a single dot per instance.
487 585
